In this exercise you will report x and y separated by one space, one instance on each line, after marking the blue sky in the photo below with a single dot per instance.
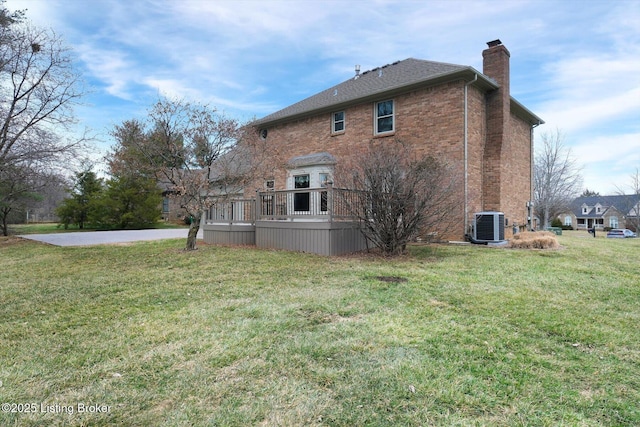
576 64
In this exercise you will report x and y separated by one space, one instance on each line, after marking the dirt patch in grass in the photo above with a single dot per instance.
392 279
10 240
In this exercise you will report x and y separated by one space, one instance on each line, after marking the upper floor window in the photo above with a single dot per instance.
385 119
337 122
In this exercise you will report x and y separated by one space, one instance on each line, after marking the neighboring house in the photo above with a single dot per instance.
461 116
602 212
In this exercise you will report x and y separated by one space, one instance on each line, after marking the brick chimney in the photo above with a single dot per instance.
496 66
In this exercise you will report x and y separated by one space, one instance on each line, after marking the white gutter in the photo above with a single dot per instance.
466 156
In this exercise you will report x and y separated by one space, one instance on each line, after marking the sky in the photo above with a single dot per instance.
575 64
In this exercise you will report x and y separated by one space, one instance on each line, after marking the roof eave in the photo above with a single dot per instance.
524 113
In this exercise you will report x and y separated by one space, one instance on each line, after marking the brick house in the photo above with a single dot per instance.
603 212
452 112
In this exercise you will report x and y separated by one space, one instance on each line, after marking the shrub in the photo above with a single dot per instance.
556 222
534 240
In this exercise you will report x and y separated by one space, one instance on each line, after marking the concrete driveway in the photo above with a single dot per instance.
108 237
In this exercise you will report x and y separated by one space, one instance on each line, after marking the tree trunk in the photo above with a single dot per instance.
5 227
194 227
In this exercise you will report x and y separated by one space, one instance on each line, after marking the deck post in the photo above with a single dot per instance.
258 203
330 195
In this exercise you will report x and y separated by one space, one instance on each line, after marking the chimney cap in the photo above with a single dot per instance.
494 43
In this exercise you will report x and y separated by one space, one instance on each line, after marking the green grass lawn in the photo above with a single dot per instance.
52 227
466 336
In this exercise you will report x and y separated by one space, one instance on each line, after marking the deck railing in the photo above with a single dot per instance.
324 204
239 211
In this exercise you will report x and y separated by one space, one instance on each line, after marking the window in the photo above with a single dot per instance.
384 117
337 122
270 184
165 204
567 220
613 222
301 200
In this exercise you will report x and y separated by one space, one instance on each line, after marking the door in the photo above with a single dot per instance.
301 199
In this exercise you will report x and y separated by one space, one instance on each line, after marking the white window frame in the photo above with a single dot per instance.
613 222
568 220
376 118
334 122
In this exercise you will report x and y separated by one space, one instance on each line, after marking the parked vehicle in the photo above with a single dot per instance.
620 233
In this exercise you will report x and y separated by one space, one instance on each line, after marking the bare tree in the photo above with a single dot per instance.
631 202
38 90
557 178
16 192
28 190
401 195
180 144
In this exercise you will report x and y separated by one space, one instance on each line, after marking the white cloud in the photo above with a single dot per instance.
576 64
112 68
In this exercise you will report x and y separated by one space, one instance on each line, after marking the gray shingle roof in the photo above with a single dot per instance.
623 203
401 75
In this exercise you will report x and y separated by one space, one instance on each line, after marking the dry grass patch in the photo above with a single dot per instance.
534 240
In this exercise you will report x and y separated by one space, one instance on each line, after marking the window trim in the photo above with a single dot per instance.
376 118
334 122
302 200
614 222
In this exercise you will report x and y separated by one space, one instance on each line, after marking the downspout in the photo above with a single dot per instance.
466 156
530 207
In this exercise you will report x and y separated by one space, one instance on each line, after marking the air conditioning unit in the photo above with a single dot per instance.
488 227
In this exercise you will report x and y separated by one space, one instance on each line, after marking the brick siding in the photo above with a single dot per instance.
431 120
